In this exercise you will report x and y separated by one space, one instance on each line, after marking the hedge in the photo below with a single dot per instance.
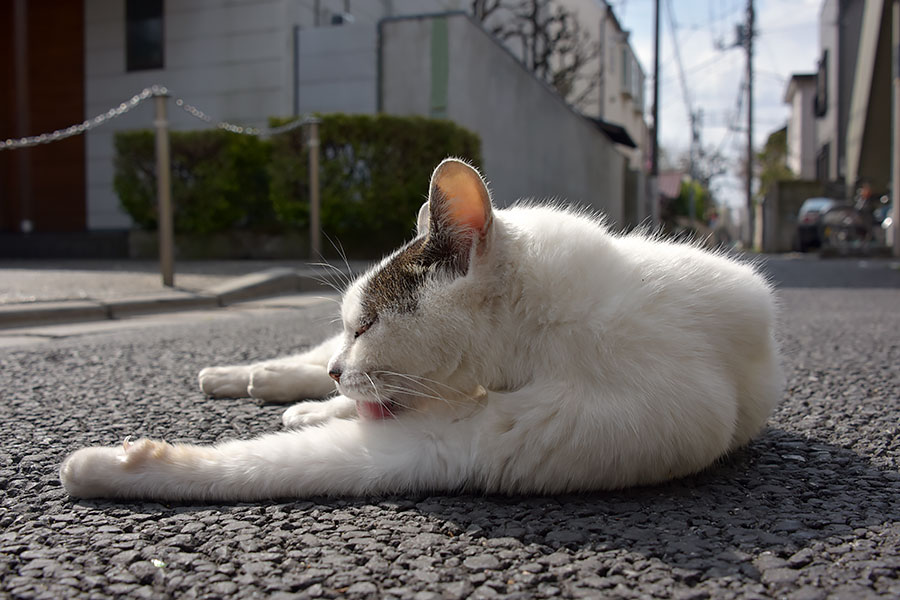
219 180
374 173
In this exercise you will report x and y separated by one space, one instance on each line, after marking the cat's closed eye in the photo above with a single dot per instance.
364 328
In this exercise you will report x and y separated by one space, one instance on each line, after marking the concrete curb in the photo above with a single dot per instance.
271 282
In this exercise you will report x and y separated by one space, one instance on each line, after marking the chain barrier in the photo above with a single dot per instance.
137 99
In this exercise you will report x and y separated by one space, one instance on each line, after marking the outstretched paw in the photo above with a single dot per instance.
105 471
86 473
225 382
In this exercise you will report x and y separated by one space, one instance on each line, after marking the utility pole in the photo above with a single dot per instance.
164 192
653 187
895 146
654 154
748 41
315 226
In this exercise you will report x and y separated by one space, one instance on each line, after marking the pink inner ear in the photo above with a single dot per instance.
465 205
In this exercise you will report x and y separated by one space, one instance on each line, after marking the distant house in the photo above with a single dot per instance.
242 62
868 147
851 108
850 101
669 188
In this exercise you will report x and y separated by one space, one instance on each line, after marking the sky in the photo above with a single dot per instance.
786 42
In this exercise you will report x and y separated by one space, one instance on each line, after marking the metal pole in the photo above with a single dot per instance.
653 187
315 242
751 210
895 146
654 149
164 193
22 112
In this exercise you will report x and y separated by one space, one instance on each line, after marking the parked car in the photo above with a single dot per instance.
809 221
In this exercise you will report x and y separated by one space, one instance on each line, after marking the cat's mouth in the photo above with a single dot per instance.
373 401
377 410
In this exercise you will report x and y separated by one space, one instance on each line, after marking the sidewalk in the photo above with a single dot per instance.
34 292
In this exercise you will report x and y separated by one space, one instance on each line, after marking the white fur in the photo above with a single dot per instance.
567 359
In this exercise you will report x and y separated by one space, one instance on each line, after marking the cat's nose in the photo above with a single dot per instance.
335 374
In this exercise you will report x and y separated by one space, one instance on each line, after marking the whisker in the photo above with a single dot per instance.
419 378
420 394
415 391
343 255
374 388
327 283
346 279
342 277
335 300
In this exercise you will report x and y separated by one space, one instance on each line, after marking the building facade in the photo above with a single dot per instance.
850 142
240 61
840 23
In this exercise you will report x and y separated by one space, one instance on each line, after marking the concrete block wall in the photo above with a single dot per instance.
338 69
533 144
779 213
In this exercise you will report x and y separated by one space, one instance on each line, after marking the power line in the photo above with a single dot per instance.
693 116
688 104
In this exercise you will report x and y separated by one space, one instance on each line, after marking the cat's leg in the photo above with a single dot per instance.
305 414
280 380
343 457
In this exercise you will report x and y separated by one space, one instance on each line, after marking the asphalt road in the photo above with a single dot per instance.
809 510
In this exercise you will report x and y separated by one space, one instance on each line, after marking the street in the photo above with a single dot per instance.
811 509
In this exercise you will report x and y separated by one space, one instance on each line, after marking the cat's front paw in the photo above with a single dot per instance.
225 382
112 471
85 473
288 383
305 414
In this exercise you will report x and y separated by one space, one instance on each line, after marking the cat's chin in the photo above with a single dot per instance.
376 411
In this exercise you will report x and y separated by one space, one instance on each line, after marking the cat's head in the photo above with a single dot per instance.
414 323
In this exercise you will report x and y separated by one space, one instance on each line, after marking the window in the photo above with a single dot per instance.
626 72
143 34
821 102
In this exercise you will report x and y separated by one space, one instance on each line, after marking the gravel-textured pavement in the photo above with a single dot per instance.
809 510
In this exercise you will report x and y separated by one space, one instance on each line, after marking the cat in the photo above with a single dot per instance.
526 350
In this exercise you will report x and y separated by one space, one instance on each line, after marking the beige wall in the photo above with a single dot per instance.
801 129
533 144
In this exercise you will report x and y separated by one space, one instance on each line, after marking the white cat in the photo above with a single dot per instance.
524 350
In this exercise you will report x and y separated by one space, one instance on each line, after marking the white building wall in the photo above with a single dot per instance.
827 132
533 144
230 59
801 133
338 69
622 97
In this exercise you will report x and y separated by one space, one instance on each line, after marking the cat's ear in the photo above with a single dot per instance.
422 219
459 201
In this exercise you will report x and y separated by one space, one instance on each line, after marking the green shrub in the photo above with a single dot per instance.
220 180
374 174
682 204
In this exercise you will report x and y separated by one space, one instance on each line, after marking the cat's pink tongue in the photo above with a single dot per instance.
373 410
